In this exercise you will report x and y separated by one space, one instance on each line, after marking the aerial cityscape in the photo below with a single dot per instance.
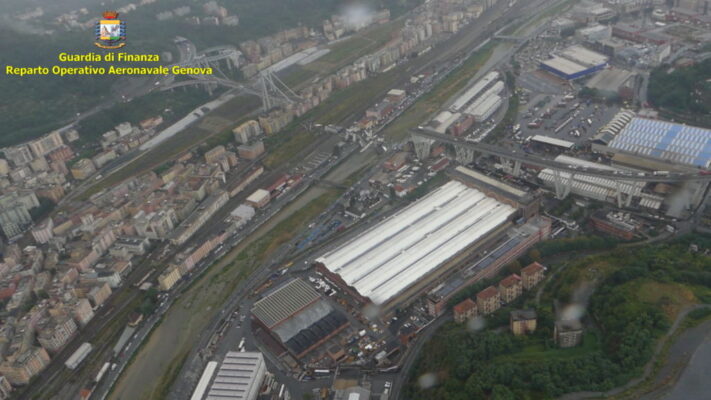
355 199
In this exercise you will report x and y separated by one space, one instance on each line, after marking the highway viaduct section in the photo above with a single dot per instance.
465 152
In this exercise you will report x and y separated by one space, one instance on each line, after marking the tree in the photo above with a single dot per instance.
534 255
514 267
501 392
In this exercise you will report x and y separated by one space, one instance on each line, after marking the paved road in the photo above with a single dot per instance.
411 356
693 348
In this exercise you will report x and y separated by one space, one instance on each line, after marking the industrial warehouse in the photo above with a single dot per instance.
476 104
298 318
398 257
575 62
667 141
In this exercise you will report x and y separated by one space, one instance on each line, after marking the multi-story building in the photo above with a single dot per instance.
532 275
104 158
19 370
63 153
251 151
18 155
522 322
46 144
54 333
510 288
617 225
214 154
198 218
44 231
169 278
82 311
5 388
83 169
14 212
488 300
14 220
245 132
465 310
156 225
568 333
53 192
99 293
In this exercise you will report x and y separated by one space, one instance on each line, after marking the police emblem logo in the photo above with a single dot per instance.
110 31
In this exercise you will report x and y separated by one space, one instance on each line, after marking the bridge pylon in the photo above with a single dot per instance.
423 146
274 91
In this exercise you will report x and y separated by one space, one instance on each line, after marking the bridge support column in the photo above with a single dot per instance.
423 146
698 196
507 165
464 155
562 187
568 186
517 169
618 192
628 200
558 184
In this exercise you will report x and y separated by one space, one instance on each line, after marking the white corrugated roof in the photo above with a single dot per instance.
258 195
583 56
239 377
442 127
564 65
399 251
470 93
484 109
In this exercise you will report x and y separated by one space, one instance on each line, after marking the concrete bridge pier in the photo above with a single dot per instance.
562 187
423 146
517 169
464 155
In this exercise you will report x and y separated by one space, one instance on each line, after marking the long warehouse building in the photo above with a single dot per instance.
474 91
661 140
409 249
240 377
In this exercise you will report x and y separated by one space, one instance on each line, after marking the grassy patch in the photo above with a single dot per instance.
360 44
536 352
283 232
287 146
161 391
296 75
352 100
671 297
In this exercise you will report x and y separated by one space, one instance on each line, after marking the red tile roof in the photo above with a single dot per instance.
487 293
532 269
510 280
464 306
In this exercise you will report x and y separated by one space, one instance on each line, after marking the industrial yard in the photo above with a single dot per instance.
437 182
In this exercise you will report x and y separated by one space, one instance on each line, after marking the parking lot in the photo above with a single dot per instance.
564 117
